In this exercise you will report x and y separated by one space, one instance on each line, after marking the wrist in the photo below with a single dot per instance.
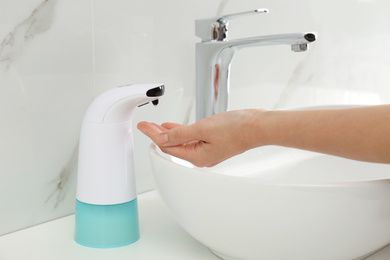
257 125
265 127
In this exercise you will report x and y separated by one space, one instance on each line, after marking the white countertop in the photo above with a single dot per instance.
161 238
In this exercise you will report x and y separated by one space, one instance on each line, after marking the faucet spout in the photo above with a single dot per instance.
213 62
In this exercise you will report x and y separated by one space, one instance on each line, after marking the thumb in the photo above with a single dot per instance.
178 135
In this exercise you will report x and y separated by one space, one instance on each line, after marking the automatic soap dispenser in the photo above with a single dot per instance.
106 199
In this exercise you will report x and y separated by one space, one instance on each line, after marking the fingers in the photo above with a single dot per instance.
191 152
153 131
149 129
179 134
164 129
194 151
169 125
182 134
164 139
168 134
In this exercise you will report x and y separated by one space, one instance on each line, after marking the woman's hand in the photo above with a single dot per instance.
208 141
361 133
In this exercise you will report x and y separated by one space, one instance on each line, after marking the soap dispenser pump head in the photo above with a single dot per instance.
106 205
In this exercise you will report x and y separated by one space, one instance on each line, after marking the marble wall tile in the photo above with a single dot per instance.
56 56
46 82
348 64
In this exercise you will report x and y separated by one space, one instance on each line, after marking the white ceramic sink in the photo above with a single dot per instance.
275 203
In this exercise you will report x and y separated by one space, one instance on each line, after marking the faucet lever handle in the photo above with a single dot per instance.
216 28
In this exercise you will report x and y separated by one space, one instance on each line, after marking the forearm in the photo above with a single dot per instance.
357 133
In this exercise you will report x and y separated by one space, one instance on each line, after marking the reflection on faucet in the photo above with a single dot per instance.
216 81
215 54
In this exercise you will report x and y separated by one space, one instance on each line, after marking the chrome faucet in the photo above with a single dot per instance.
215 53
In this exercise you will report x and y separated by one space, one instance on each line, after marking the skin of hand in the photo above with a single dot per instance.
361 133
208 141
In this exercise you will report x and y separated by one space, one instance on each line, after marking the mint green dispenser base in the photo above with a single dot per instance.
106 226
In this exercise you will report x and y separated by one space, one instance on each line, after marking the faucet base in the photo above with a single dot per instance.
106 226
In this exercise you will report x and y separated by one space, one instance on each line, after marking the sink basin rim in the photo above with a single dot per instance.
154 150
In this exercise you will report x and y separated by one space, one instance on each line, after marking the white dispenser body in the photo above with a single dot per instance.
106 169
107 176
